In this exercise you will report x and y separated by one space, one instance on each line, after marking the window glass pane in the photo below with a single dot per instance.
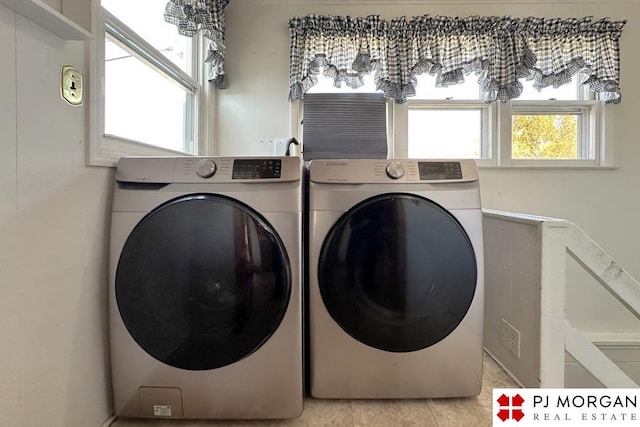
445 133
426 89
141 104
146 18
547 136
568 92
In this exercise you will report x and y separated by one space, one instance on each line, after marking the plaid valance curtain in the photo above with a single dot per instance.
191 16
499 50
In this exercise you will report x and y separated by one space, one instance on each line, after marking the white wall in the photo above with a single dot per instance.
254 110
53 228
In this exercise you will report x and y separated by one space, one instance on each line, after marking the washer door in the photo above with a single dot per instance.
202 282
397 272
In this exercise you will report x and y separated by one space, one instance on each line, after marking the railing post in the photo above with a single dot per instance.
553 238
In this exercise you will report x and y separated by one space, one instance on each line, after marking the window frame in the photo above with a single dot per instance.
104 149
596 128
496 144
487 120
589 134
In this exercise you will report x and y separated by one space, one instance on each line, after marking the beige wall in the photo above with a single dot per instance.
605 203
53 239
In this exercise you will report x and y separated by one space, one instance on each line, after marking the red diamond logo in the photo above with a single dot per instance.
517 400
510 407
503 414
503 400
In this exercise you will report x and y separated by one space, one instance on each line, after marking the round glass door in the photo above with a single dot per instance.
397 272
202 282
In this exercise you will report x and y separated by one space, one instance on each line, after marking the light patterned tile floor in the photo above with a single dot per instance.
476 411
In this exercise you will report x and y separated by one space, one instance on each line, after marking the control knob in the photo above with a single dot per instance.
205 168
395 170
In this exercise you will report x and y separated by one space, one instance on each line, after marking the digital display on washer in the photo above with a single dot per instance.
256 168
439 170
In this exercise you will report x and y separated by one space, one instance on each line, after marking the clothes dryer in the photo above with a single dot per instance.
205 288
396 279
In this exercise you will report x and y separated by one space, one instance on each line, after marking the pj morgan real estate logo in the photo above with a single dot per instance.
588 407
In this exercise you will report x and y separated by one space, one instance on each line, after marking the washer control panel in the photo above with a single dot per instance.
432 171
362 171
196 170
256 168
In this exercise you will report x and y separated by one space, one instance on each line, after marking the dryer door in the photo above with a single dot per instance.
202 282
397 272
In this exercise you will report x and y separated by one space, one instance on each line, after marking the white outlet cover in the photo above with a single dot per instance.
71 85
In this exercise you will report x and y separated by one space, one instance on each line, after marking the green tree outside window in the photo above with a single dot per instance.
540 136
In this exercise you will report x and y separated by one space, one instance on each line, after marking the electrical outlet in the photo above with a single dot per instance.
510 338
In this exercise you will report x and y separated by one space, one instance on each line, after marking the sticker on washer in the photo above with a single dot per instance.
162 410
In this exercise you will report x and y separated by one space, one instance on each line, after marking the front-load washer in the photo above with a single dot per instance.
395 279
205 296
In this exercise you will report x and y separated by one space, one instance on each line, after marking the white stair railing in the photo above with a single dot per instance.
604 269
595 361
555 239
621 285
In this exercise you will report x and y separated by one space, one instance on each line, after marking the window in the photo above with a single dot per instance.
441 132
555 125
495 53
447 122
552 127
341 122
152 99
345 125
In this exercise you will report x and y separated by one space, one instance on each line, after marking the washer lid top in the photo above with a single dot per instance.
406 171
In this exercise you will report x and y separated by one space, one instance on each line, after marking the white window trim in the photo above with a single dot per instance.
599 128
105 150
401 116
499 134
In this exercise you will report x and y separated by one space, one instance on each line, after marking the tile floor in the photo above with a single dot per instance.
466 412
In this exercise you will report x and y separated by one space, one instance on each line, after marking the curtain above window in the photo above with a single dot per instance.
191 16
499 50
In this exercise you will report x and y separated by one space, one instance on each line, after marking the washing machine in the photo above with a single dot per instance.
205 297
395 279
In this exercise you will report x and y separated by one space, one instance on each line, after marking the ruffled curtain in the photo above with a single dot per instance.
499 50
191 16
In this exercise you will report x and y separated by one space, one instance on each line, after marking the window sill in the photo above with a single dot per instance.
110 149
